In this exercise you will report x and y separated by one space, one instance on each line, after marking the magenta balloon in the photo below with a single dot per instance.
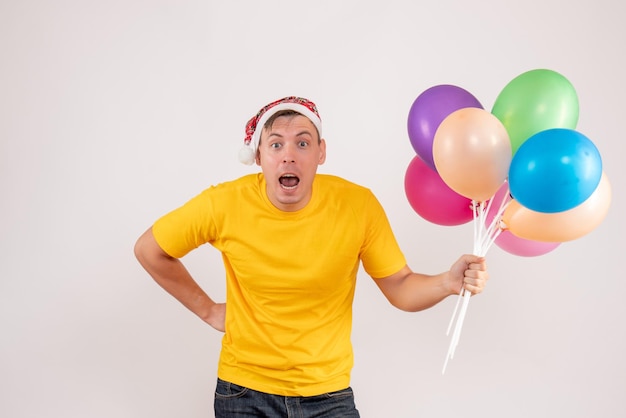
429 110
432 199
513 244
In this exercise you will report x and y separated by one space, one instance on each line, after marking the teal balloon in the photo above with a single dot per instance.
535 101
555 170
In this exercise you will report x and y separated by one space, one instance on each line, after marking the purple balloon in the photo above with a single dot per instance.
429 110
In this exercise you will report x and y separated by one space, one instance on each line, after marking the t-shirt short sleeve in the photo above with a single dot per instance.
187 227
380 254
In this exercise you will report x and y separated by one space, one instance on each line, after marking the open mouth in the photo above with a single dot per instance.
289 181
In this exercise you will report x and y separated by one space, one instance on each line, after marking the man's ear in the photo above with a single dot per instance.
322 152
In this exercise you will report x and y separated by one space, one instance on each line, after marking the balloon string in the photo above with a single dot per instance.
490 242
494 229
456 308
479 227
489 203
475 224
484 237
457 332
464 295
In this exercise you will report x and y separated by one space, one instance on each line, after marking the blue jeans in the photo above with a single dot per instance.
234 401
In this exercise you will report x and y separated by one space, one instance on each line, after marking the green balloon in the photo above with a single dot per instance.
535 101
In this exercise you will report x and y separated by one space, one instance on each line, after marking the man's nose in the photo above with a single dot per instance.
289 154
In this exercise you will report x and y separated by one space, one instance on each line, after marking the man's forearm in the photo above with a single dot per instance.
174 278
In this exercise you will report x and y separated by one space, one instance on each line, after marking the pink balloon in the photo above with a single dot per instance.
524 247
513 244
431 197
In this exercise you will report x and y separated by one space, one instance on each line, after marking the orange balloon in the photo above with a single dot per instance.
472 153
560 226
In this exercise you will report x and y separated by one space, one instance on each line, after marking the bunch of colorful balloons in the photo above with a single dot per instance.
522 173
521 169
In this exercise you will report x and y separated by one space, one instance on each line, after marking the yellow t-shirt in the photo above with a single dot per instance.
290 277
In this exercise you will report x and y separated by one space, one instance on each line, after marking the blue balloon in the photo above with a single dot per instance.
555 170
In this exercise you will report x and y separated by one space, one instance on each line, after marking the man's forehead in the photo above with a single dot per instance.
299 122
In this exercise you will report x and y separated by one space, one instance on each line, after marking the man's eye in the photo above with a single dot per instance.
275 145
304 144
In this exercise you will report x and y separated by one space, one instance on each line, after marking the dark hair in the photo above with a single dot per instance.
289 113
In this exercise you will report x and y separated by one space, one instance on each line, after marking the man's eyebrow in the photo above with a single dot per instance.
300 133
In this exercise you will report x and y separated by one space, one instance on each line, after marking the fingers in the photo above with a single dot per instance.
477 266
475 286
471 258
476 276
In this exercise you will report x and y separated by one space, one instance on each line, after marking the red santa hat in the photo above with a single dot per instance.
305 107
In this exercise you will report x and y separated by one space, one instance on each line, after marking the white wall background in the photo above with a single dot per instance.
112 113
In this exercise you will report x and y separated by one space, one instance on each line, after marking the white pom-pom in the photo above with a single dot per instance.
246 155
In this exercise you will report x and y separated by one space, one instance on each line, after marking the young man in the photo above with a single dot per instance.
292 241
